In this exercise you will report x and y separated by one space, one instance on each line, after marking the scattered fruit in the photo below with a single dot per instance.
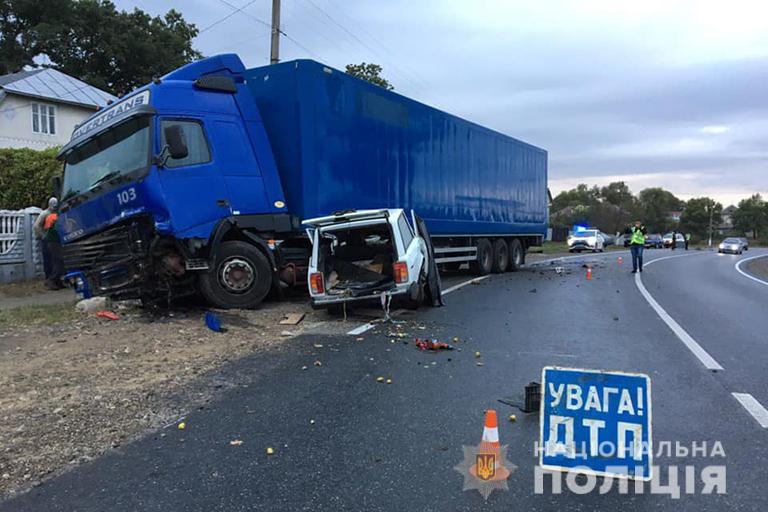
270 451
182 426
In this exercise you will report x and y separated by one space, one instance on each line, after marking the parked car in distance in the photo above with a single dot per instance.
608 239
358 255
654 241
744 242
731 245
679 240
587 240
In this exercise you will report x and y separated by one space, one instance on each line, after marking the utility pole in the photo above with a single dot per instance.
274 52
711 212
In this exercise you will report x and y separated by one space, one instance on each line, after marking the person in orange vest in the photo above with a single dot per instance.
45 229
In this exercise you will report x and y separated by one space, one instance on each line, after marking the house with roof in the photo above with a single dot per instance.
41 107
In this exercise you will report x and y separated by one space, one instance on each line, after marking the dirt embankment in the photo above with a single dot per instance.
73 389
759 267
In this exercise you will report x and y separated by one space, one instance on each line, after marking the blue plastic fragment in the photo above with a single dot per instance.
213 323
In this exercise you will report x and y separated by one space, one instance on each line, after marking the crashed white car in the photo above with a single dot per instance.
360 255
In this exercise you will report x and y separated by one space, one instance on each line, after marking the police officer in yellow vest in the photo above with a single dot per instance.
636 245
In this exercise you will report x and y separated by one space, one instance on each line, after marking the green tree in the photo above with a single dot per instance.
751 215
695 218
580 197
655 206
25 177
93 41
370 72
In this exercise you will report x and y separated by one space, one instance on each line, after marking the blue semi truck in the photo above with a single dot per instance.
198 182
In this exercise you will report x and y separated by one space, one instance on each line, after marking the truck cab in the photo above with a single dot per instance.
360 255
174 190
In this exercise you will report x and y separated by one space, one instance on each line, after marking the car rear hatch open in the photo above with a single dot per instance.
355 254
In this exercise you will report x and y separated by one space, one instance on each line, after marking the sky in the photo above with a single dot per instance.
653 93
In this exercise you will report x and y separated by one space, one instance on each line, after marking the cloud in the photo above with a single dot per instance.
656 92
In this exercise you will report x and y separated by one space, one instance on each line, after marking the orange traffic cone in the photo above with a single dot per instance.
488 465
589 274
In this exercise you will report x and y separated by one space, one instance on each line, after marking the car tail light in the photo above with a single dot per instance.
316 283
401 272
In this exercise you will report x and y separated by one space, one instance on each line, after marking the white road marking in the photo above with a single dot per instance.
753 407
361 329
738 268
465 283
707 360
370 325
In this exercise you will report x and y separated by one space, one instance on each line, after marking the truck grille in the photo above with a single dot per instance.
111 246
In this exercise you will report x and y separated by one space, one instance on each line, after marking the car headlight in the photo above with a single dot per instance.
721 246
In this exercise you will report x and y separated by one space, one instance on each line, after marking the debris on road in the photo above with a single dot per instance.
109 315
431 345
213 322
91 305
181 426
236 442
389 381
477 354
318 345
292 319
512 418
318 363
270 451
379 379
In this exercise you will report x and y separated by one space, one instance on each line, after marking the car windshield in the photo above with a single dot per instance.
731 241
584 234
118 151
654 237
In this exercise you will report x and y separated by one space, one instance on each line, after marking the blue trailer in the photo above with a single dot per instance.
199 181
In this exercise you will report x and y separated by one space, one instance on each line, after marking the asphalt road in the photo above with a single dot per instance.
343 441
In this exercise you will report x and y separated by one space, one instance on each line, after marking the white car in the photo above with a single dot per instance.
587 240
360 255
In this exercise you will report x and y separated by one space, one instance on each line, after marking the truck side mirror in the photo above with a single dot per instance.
174 138
56 186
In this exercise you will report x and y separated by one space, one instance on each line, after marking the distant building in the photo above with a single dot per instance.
40 108
726 224
675 215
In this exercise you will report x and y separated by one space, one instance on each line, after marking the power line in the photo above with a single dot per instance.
220 20
385 48
360 41
287 36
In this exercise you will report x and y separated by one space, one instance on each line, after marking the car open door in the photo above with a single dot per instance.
434 286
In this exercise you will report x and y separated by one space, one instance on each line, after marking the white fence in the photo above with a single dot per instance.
20 256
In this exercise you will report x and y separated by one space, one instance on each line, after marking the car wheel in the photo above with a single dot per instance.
240 277
500 256
415 302
482 265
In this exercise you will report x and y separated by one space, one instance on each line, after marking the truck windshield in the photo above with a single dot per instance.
116 152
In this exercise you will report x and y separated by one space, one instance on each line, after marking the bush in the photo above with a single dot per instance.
25 177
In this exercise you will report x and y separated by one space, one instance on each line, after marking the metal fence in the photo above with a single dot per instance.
20 253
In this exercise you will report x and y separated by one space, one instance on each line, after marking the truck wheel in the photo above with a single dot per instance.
484 262
517 255
500 256
240 277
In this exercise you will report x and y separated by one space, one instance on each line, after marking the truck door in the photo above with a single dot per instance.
238 164
194 189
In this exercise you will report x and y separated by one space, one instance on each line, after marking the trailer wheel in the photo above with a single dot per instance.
240 277
484 262
500 256
517 255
